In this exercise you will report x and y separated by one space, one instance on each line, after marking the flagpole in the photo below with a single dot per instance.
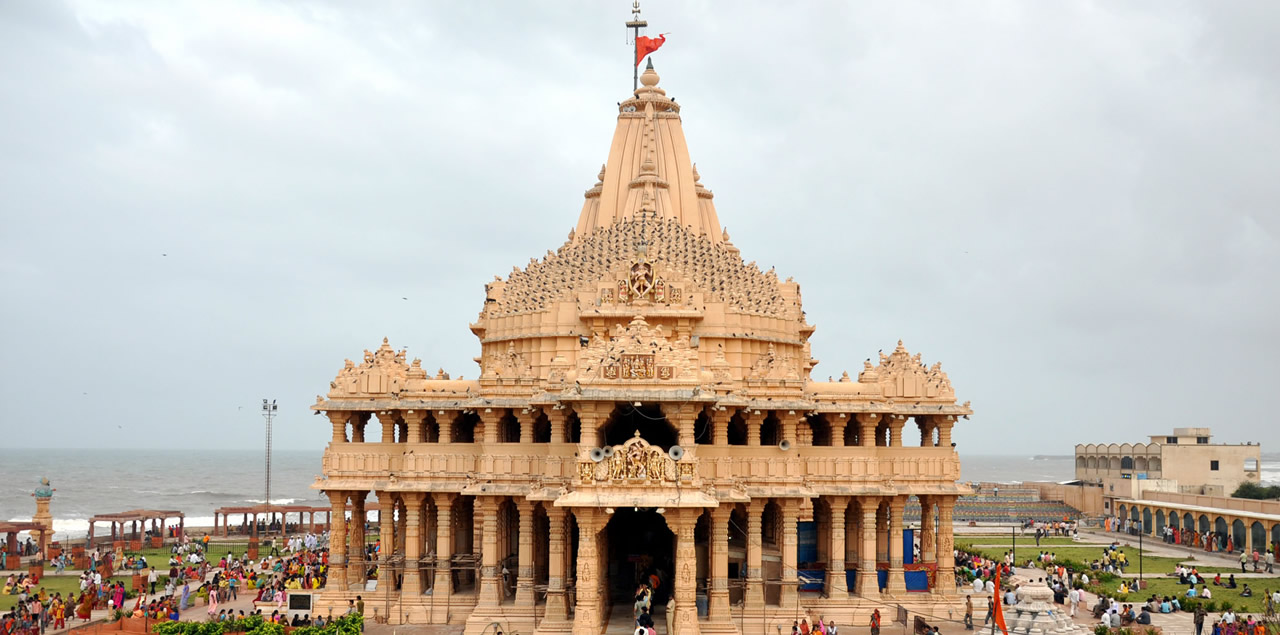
635 24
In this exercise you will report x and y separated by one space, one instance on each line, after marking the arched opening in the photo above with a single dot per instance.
1092 463
1238 534
1080 463
649 421
821 430
1140 464
641 549
1115 463
464 427
1146 520
464 543
1204 523
573 430
1126 463
1160 521
737 430
541 428
852 434
1259 536
508 547
770 431
1153 466
1220 528
1275 538
702 433
509 428
1123 511
1188 522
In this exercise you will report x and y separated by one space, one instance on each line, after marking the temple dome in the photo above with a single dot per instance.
649 168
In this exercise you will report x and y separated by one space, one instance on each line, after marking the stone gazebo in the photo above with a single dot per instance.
131 525
645 410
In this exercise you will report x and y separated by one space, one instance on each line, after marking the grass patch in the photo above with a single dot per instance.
964 539
1161 587
67 585
1151 565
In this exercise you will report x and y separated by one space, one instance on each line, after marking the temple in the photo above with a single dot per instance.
644 410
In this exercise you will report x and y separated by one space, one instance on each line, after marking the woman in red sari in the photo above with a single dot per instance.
84 608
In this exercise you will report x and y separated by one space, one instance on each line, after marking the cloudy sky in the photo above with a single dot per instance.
1072 205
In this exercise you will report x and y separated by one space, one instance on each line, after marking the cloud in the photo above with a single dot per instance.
1072 206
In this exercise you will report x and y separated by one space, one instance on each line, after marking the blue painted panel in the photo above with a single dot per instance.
917 580
882 578
851 578
818 577
807 547
908 546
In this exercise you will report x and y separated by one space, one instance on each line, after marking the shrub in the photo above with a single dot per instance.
1211 606
1101 630
1226 606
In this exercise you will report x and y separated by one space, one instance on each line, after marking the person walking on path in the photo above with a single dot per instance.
875 622
968 612
991 609
1198 618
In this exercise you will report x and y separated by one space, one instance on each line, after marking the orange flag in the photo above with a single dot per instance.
646 45
999 603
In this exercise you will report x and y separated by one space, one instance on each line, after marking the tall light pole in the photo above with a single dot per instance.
268 412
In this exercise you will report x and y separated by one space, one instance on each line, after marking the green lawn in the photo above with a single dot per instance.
966 540
1151 565
68 585
1161 587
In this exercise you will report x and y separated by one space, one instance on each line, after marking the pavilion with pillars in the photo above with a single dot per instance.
644 411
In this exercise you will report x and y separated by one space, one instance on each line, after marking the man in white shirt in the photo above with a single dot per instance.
1228 617
977 585
1073 598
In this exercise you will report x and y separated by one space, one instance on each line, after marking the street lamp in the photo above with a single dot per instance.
268 413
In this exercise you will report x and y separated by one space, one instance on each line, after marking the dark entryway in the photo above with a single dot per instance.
641 549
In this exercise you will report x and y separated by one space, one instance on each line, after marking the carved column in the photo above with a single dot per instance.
788 421
557 417
339 421
868 584
445 423
387 421
526 421
928 521
718 595
337 539
867 422
754 419
754 593
416 420
412 586
896 422
790 540
926 431
838 423
524 572
837 585
386 542
685 418
720 426
944 431
557 609
490 418
897 577
355 552
442 585
686 618
358 421
946 549
490 578
586 619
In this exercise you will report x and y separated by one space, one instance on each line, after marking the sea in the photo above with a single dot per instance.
195 482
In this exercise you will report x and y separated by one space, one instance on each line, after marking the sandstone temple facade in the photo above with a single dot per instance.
643 411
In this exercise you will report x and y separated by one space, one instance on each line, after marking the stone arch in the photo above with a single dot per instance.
1140 464
1160 524
1238 531
1092 463
542 428
1126 448
1081 463
626 420
1114 464
463 426
1146 520
1204 523
1275 538
1220 529
1126 463
1154 465
1123 512
1133 513
1188 522
1258 534
737 430
508 428
770 432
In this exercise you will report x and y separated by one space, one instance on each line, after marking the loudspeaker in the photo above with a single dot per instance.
784 445
597 455
676 453
608 451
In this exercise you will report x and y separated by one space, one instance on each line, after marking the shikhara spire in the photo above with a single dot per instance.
649 168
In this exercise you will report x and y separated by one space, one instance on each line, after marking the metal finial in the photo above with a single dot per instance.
635 8
649 66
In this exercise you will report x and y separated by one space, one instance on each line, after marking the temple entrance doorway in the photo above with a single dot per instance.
641 550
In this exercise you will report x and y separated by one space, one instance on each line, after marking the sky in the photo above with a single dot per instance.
1072 205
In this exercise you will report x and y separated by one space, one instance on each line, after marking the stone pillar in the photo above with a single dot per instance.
355 550
837 585
867 422
684 418
787 424
339 421
754 419
445 423
897 577
586 619
490 578
838 423
358 421
490 418
718 595
790 540
524 572
926 431
928 537
944 432
754 593
386 542
416 420
526 419
387 421
412 584
557 417
686 618
720 426
868 584
896 422
557 609
946 546
442 585
337 575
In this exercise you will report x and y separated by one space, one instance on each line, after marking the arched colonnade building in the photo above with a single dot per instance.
644 411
